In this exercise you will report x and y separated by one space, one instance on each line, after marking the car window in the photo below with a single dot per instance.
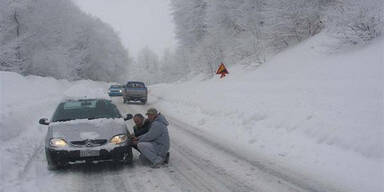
85 109
116 86
135 85
79 104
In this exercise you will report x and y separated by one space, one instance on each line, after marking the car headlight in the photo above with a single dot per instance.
55 142
118 139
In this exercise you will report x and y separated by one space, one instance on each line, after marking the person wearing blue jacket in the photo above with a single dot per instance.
154 144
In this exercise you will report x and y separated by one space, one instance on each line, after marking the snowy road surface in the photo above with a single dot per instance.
197 163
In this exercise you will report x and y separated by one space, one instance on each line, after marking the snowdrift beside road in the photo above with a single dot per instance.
23 101
306 110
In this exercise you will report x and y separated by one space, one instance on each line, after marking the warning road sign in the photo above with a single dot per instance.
222 70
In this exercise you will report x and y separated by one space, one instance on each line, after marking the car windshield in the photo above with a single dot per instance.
115 87
135 85
85 109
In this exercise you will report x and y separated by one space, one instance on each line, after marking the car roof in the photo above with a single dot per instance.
135 82
85 99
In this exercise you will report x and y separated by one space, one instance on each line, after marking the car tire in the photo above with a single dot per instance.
54 165
127 157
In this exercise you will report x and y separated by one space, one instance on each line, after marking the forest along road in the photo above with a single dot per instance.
196 164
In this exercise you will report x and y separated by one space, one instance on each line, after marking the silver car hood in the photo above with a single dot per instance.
82 129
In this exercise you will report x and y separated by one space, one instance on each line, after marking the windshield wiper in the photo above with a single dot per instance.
101 117
64 120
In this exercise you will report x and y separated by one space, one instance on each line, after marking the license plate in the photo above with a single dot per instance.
89 153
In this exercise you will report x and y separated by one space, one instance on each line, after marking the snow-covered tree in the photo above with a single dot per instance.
146 67
356 21
54 38
168 71
189 17
251 31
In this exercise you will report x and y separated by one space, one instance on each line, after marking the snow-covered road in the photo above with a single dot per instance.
197 163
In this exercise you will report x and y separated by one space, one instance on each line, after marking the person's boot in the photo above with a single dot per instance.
166 160
156 165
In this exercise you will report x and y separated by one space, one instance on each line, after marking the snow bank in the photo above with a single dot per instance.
23 101
316 113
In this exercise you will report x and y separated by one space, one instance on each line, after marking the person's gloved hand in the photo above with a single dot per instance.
134 140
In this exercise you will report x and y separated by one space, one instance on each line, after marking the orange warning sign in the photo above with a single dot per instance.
222 70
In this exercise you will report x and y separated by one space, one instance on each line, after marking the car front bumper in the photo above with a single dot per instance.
115 94
135 98
73 155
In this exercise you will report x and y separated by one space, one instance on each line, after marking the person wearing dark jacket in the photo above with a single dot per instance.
141 127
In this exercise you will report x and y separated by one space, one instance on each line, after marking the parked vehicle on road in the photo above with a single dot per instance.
115 90
135 91
86 130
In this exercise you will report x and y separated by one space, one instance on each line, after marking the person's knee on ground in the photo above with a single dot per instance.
149 152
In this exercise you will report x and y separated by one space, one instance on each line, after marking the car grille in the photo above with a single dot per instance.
89 143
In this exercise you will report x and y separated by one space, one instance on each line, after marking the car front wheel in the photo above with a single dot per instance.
52 164
127 157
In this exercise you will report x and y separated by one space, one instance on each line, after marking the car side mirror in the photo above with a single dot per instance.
128 117
44 121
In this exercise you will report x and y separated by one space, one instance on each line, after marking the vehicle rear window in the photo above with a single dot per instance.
85 109
135 85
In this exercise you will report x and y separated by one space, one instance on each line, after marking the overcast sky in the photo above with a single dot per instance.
139 23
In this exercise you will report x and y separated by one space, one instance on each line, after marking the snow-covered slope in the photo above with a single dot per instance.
316 113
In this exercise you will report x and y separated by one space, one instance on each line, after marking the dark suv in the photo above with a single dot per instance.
135 91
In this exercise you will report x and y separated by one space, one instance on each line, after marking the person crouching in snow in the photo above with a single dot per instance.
154 145
141 127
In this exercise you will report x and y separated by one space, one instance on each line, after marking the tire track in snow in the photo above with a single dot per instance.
201 174
78 177
291 181
190 174
287 177
35 154
104 176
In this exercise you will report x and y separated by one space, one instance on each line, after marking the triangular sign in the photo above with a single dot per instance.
222 70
